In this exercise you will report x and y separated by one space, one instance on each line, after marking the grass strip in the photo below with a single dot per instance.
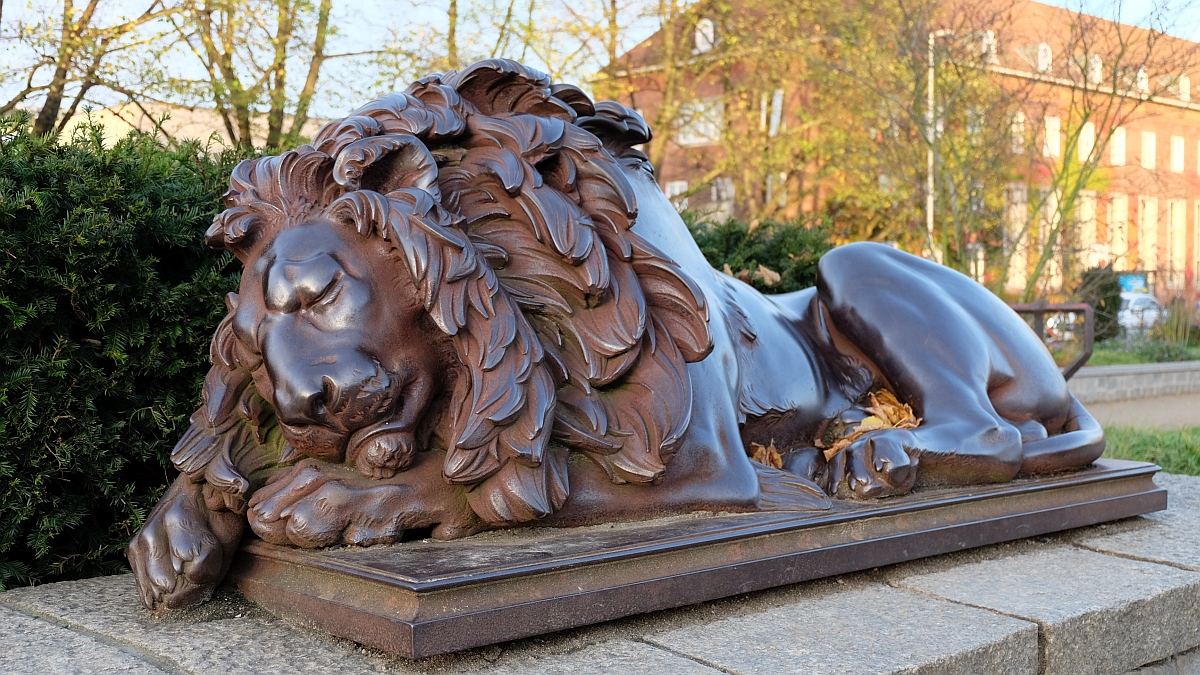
1175 450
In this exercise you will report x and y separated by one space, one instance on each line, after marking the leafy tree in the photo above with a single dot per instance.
249 51
76 46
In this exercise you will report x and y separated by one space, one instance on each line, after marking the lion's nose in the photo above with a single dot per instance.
305 400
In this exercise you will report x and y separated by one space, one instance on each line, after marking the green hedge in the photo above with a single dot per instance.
108 299
756 253
1100 287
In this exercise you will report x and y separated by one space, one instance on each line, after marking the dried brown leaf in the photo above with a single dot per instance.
768 455
887 412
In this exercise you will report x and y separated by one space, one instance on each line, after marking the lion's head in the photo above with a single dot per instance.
453 267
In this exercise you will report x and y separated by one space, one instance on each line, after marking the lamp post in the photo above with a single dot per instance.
931 130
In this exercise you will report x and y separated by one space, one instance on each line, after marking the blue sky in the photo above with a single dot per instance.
370 22
1177 17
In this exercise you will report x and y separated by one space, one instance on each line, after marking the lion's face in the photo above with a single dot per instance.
337 322
471 278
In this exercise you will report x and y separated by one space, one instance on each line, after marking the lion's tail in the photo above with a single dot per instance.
783 491
1081 443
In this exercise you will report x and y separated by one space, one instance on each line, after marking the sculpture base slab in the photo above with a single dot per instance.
423 598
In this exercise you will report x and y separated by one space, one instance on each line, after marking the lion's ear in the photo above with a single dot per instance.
386 163
266 192
619 129
497 86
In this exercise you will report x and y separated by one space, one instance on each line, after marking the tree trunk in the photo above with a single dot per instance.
284 23
314 71
452 35
48 115
668 110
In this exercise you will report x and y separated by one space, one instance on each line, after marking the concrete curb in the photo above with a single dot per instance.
1116 598
1098 384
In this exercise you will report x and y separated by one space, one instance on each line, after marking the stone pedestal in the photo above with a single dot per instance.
422 598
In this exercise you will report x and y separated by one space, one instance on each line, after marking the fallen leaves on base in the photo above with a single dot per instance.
764 454
887 412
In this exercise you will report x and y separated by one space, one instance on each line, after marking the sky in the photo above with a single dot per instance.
371 22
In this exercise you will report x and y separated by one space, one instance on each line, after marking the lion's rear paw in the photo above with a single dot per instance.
880 464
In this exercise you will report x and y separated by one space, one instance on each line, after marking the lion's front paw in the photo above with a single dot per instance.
315 505
383 454
183 549
880 464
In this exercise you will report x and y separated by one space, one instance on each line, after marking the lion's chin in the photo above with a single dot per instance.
380 450
316 441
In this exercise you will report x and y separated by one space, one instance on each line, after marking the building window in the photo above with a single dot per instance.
974 121
777 189
1050 235
1116 147
1176 242
1094 253
1018 132
1087 141
776 113
1196 238
722 189
1142 81
1016 240
1147 244
1118 230
1149 149
1177 154
1045 58
1183 87
676 191
706 36
1095 69
1052 143
700 123
990 55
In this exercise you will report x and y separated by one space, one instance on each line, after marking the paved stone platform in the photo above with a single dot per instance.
1117 598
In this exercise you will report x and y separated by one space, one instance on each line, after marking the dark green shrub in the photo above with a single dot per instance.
755 254
108 299
1100 287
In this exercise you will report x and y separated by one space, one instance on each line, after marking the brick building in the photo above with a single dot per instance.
1142 207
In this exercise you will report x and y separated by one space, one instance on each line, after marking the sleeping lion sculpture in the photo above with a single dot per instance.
469 306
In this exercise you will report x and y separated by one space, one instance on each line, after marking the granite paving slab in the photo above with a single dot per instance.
35 647
1096 613
608 658
1171 537
871 629
228 635
1187 663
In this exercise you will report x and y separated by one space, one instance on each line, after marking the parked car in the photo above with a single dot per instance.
1140 312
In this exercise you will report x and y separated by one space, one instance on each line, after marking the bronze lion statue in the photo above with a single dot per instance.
469 306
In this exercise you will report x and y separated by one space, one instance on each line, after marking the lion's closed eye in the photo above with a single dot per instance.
327 294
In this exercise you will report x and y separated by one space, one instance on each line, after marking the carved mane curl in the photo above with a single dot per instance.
502 196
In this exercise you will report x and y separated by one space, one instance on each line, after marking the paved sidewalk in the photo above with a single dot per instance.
1116 598
1162 412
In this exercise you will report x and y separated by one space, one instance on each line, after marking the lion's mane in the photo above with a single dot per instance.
504 196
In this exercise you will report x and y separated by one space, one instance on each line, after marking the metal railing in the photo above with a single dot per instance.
1038 310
